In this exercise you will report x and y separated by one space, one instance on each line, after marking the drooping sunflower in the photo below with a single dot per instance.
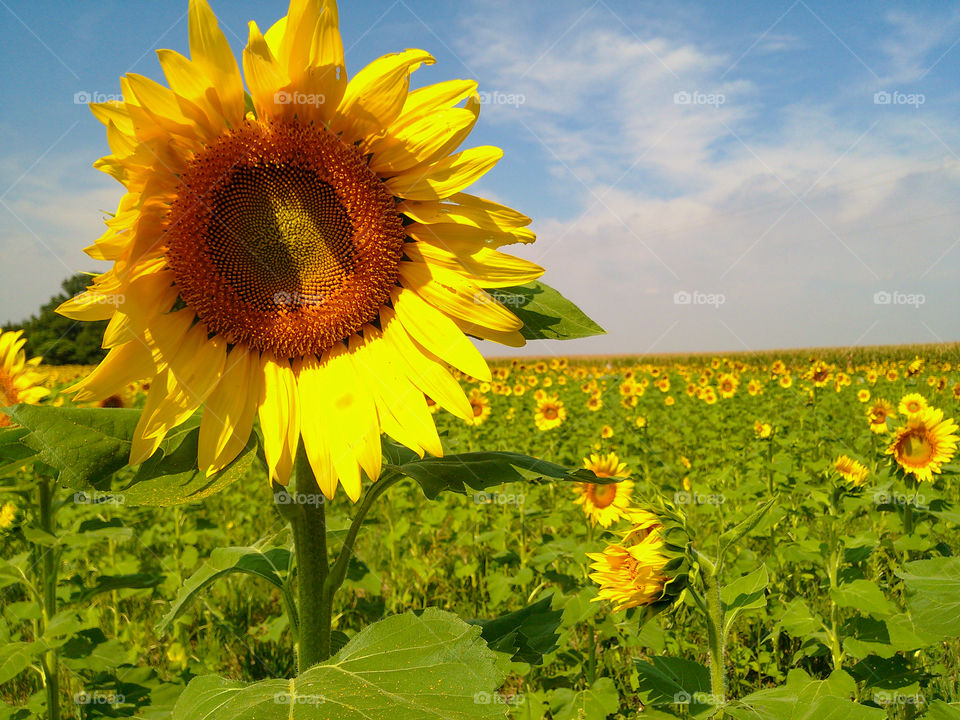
605 504
924 443
550 413
912 404
480 407
19 380
304 252
877 415
850 470
631 573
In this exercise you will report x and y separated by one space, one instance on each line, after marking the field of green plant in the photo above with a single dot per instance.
801 569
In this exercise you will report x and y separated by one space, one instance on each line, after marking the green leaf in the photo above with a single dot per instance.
16 657
528 633
86 445
13 453
546 314
932 589
864 596
594 703
674 681
171 477
480 470
406 667
739 531
744 593
939 710
107 583
270 564
798 620
803 698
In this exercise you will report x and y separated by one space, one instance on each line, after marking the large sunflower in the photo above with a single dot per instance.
304 252
605 504
19 380
924 443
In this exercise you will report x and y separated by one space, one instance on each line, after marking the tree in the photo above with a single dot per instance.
60 340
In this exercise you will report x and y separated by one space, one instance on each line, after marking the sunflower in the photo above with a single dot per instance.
924 443
877 415
727 385
640 422
631 573
863 395
606 432
19 381
8 515
915 366
594 402
762 430
786 381
912 404
850 470
819 374
313 260
550 413
755 387
480 406
605 504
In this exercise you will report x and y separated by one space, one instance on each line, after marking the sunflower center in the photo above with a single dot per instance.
550 413
603 495
915 448
282 239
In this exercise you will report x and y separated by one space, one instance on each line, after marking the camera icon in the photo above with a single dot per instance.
282 498
882 298
881 98
682 297
682 98
682 698
82 98
482 698
282 97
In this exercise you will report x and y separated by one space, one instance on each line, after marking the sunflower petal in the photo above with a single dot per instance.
446 177
228 416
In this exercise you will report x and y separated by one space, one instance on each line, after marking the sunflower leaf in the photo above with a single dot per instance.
406 667
527 633
546 314
481 470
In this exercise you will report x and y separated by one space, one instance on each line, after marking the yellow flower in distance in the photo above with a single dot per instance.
550 413
313 260
763 430
877 415
480 406
851 471
605 504
912 404
924 443
19 380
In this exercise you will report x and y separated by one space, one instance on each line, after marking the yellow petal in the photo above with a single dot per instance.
422 142
512 338
436 332
265 76
488 268
279 417
123 365
374 97
468 210
311 50
229 410
211 53
422 368
315 425
446 177
429 100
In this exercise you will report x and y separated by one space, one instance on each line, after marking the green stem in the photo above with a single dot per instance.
338 572
592 657
308 520
50 660
712 609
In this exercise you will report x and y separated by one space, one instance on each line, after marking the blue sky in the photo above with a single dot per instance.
702 176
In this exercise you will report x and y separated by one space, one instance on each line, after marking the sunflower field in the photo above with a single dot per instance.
825 484
295 488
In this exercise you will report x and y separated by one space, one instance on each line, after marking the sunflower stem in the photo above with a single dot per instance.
714 617
50 660
308 520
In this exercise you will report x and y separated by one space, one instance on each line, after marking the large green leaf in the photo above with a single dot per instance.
594 703
744 593
15 657
528 633
864 596
804 698
480 470
546 314
13 453
933 595
406 667
676 682
270 564
171 477
86 445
